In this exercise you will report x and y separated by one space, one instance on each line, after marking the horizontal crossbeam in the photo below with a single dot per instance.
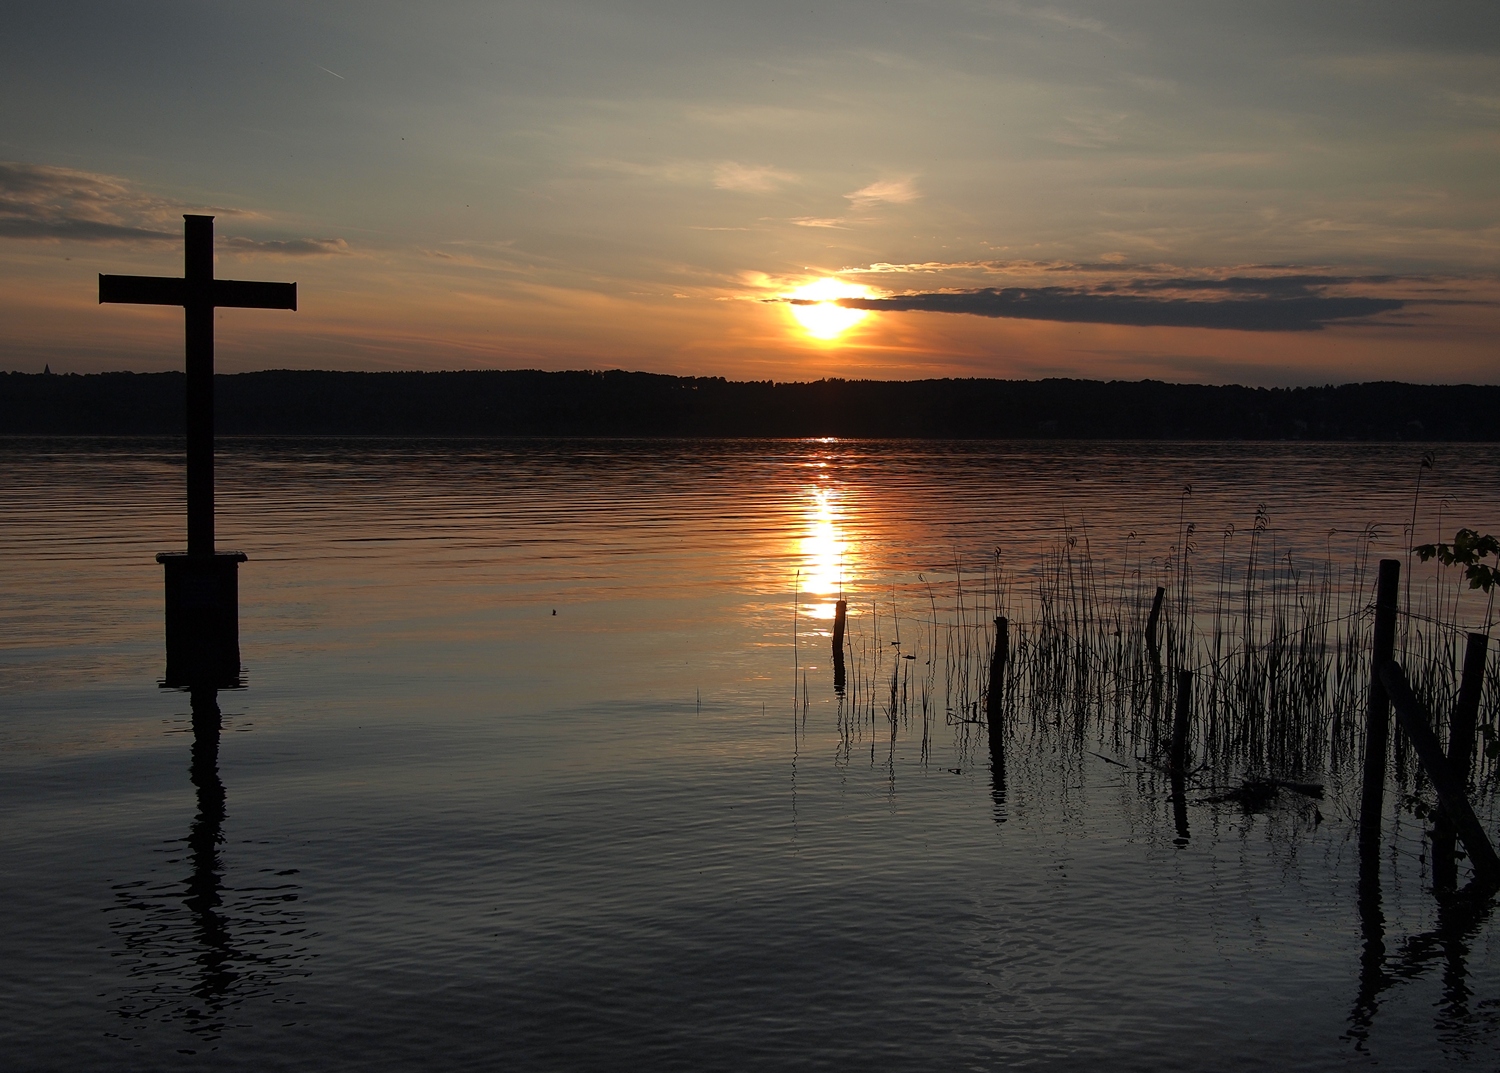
174 291
143 290
247 295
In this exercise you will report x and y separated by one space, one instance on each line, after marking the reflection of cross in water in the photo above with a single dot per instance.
199 294
206 881
187 966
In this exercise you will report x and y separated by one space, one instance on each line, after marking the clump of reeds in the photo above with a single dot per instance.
1279 647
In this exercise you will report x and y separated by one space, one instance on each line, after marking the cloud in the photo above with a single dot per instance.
893 191
42 202
1255 304
817 221
1070 21
38 201
292 247
750 178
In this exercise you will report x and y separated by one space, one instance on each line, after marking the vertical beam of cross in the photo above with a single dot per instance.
198 307
199 294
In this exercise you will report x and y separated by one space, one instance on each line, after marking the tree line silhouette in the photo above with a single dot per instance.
532 403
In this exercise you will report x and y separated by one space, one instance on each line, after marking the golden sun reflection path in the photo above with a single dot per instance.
824 558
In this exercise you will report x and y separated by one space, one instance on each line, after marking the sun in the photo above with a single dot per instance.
814 307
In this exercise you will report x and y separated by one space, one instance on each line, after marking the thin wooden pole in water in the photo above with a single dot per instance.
1153 650
1177 757
1152 642
1466 711
998 660
993 707
1378 708
1181 722
1460 756
1417 723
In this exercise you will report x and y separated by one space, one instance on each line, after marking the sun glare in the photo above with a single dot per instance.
821 318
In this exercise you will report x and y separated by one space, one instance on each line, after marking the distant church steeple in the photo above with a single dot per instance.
46 370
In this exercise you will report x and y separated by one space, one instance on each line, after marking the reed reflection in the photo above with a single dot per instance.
1461 916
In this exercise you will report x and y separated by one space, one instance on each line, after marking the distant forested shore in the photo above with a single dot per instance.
530 403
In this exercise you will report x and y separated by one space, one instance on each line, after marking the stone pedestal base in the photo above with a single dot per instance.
203 619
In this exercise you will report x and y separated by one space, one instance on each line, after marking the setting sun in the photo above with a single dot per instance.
813 305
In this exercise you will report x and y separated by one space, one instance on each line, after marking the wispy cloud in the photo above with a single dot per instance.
1068 20
38 201
750 178
291 247
893 191
42 202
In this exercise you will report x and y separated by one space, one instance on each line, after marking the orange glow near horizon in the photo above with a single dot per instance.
823 319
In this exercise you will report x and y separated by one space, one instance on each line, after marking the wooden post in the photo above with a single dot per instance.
994 707
998 660
1153 651
1460 757
1450 787
1153 622
1466 711
1378 708
840 614
1181 721
198 274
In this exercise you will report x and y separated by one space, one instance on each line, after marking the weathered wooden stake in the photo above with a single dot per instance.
1153 622
1450 786
1466 711
1460 757
840 614
1378 708
993 708
1181 722
998 659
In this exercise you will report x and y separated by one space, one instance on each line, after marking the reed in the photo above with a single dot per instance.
1279 647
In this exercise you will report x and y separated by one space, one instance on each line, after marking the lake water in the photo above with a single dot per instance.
527 774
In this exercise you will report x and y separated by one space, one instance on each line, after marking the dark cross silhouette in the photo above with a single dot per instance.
198 293
203 596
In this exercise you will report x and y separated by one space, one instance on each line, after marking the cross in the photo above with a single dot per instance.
198 293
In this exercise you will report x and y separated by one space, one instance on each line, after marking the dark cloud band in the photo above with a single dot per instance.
1296 312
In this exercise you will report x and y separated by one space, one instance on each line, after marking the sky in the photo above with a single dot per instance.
1247 192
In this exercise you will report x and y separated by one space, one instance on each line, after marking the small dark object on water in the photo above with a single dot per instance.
1256 795
554 610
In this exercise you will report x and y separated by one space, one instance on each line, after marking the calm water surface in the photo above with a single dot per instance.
528 775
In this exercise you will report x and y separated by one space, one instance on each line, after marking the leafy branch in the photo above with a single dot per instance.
1468 550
